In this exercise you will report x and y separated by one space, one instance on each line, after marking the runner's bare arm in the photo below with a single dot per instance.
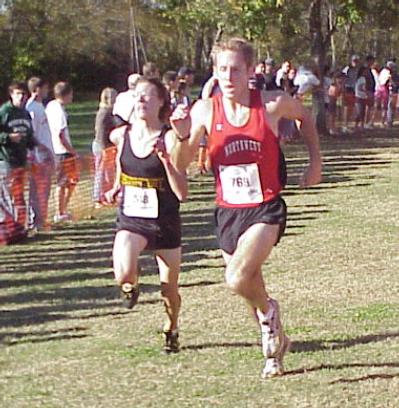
189 128
177 179
282 105
116 137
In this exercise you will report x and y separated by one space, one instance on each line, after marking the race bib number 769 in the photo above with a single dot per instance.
241 184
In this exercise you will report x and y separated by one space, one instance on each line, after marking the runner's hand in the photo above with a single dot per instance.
311 175
180 121
111 195
160 150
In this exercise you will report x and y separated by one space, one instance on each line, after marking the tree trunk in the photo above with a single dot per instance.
332 39
348 43
318 53
199 46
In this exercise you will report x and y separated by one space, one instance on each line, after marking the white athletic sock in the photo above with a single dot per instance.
265 316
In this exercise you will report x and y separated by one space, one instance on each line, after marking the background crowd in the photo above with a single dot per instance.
36 149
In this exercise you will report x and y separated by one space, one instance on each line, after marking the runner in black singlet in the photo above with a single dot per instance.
149 189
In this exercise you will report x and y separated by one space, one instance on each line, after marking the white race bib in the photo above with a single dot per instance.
241 184
140 202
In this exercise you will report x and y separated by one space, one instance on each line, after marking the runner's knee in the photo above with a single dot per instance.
169 291
236 278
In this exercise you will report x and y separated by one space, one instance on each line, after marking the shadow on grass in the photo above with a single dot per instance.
330 345
306 346
94 294
366 377
14 338
87 246
204 346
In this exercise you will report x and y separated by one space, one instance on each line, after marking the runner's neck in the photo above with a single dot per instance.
237 111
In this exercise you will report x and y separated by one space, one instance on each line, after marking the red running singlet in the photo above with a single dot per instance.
245 159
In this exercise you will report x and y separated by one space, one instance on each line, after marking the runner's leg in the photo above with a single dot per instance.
244 277
243 271
168 261
127 248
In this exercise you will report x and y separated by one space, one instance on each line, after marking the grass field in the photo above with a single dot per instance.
66 341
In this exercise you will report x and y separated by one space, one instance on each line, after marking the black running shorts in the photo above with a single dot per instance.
231 223
161 233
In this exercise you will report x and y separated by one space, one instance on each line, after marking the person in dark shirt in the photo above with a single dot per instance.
370 89
393 87
102 147
270 75
349 98
16 137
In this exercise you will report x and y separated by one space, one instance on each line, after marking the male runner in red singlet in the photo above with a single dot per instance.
241 126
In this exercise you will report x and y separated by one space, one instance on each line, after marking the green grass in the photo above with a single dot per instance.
81 124
66 341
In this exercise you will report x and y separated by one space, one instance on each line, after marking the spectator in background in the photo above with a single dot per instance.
377 105
186 75
334 93
102 147
259 81
65 155
361 97
349 99
181 96
305 80
270 76
285 68
382 93
16 137
370 89
327 81
287 82
393 92
150 70
43 155
123 107
169 79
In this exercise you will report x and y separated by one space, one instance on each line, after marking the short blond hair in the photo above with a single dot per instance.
238 45
107 97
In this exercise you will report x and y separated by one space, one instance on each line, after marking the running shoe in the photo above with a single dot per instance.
129 294
172 344
271 329
274 366
59 218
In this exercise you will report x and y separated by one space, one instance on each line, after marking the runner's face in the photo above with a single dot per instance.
18 98
233 74
148 103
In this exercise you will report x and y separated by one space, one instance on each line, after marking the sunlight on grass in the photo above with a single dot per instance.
67 342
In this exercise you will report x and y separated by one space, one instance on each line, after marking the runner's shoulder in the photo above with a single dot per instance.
276 100
202 110
117 134
274 95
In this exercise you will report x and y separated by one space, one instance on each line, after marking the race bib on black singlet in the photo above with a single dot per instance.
140 202
241 184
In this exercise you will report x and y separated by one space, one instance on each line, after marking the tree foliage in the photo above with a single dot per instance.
88 41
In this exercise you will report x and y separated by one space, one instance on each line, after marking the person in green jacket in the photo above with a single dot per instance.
16 137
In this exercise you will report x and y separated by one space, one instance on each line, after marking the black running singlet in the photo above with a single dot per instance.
146 192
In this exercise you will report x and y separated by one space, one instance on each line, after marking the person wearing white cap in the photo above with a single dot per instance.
123 107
